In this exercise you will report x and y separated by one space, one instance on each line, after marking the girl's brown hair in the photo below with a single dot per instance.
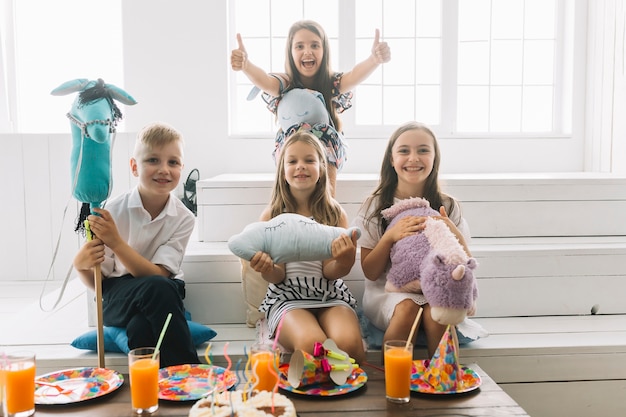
324 208
324 78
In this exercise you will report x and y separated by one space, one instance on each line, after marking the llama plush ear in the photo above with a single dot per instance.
288 237
71 86
121 95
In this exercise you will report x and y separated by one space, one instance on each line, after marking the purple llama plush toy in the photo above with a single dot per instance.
432 262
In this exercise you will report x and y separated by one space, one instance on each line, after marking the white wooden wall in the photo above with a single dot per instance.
37 178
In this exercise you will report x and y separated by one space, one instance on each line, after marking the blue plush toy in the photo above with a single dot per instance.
301 108
93 117
288 237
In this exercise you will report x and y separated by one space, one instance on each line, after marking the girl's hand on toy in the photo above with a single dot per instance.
343 249
405 227
262 262
444 217
239 56
103 226
380 50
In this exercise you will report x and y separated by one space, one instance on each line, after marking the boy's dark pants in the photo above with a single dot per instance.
141 305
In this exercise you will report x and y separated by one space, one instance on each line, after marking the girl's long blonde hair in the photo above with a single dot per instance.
324 208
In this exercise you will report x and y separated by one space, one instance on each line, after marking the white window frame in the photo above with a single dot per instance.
567 107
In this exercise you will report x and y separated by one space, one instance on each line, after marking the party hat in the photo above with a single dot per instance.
327 363
443 372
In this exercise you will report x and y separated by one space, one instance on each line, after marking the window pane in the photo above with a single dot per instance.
537 109
252 116
473 109
507 19
506 108
399 105
284 14
540 19
368 15
399 18
401 69
538 62
322 11
506 63
428 18
473 63
474 20
427 104
250 12
51 53
370 109
428 61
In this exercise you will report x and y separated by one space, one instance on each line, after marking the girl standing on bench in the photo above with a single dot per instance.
410 168
309 297
307 65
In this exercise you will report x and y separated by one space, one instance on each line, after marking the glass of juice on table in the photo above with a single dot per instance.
143 367
398 363
264 361
17 378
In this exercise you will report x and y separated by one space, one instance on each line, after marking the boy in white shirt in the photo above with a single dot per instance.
140 241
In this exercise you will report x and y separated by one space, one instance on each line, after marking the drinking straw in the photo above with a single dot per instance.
158 345
417 319
278 328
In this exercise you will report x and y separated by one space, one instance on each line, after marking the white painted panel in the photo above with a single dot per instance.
12 212
216 303
64 208
37 199
219 223
573 399
537 296
565 218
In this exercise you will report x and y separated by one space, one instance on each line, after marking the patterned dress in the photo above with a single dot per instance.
331 139
304 287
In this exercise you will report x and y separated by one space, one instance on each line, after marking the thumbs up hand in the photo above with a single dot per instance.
239 56
380 50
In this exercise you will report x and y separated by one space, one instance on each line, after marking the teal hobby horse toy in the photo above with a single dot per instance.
93 119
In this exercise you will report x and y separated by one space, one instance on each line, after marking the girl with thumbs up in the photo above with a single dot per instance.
307 65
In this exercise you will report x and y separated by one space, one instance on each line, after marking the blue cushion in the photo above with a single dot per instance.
115 339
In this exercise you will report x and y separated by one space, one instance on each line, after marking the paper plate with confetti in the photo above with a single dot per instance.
76 385
355 381
192 382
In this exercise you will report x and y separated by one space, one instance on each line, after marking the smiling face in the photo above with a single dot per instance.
307 51
158 168
302 166
412 157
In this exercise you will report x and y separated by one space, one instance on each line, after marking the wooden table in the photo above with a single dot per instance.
488 400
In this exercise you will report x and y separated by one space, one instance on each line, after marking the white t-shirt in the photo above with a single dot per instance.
162 241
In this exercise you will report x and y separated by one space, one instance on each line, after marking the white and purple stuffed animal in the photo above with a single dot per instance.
433 262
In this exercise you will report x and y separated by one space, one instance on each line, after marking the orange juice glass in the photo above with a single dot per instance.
264 367
18 381
144 380
398 363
